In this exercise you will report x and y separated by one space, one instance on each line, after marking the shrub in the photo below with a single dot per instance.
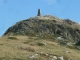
13 38
72 47
40 44
78 43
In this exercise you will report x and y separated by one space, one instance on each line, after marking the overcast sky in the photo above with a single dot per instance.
12 11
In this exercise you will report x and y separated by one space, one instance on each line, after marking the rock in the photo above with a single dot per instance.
44 42
67 51
59 38
36 54
69 44
63 43
78 47
40 52
50 56
60 58
47 54
31 57
54 57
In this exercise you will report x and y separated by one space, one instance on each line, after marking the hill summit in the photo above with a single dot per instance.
47 26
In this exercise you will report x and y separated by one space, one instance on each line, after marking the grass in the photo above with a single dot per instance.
17 50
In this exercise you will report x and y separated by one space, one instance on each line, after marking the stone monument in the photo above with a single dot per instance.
39 12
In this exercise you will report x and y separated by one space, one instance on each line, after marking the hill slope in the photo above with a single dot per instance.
46 27
33 48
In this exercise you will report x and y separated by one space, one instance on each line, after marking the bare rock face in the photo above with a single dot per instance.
39 12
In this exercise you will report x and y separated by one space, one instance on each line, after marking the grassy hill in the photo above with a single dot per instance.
46 27
41 38
34 48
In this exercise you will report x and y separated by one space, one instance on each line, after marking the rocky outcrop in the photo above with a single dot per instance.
47 27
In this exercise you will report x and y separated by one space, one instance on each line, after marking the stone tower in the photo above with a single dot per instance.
39 12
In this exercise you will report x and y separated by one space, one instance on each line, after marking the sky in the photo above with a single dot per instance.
12 11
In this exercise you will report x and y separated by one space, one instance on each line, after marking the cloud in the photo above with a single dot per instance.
2 2
50 2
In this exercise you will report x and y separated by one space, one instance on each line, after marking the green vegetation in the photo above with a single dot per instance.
12 38
40 44
72 47
78 43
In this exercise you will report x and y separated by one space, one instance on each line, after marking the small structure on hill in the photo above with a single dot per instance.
39 12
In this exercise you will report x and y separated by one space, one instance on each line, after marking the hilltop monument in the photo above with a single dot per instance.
39 12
